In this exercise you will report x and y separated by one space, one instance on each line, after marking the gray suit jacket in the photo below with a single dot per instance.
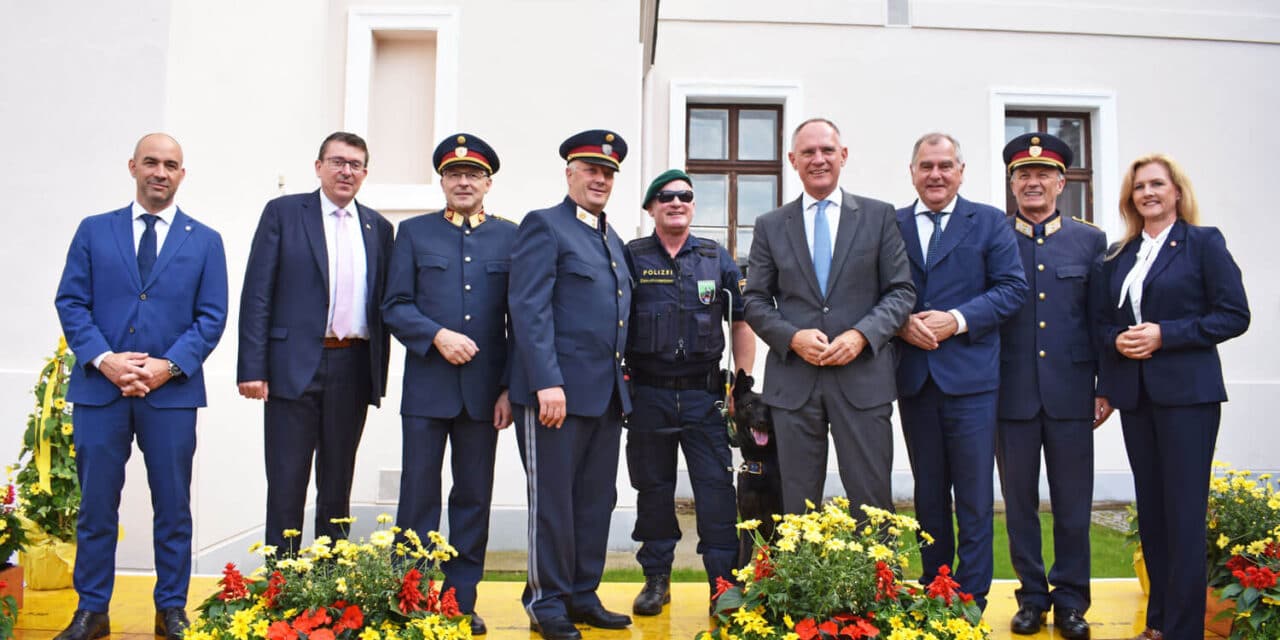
869 289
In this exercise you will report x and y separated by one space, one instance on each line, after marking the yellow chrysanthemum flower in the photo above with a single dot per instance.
749 525
1223 541
291 533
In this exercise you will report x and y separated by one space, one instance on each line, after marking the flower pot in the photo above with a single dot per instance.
11 576
1140 569
1212 607
49 565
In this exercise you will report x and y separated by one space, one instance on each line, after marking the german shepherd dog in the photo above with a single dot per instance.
759 483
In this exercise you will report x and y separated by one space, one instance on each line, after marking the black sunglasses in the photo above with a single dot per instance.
667 196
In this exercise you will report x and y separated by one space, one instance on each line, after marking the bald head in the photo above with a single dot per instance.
156 166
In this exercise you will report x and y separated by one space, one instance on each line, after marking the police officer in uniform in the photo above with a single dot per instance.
673 352
1048 367
446 301
570 297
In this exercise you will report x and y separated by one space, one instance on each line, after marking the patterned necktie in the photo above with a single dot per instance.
147 247
343 276
935 239
822 246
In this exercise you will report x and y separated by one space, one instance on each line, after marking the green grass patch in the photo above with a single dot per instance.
1111 557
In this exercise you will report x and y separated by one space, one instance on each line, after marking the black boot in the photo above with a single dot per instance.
656 592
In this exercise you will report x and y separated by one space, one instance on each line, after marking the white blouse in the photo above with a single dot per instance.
1132 287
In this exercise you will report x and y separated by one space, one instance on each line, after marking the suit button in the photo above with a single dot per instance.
619 323
142 297
467 317
617 355
1042 324
466 232
1039 267
1042 295
130 329
619 293
614 264
826 309
1041 354
1039 240
467 259
466 287
928 305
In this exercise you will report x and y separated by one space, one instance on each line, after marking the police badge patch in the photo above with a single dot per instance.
706 291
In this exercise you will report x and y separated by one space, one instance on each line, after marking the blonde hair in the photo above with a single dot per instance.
1187 208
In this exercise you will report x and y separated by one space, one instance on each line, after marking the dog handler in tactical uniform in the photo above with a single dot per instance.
673 350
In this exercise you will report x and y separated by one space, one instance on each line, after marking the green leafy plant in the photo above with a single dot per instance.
382 589
1244 550
827 574
8 613
48 490
13 538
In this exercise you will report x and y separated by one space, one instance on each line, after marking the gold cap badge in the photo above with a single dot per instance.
1035 151
461 152
608 137
462 139
1034 140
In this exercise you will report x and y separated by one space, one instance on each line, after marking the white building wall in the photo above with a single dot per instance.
1199 96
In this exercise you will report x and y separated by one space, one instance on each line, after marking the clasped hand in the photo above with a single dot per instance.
928 329
1139 341
815 348
136 374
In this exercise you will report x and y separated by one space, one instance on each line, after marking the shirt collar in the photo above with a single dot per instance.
327 207
165 215
835 198
950 208
1159 238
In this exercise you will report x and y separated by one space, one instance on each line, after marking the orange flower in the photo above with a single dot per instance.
352 618
280 630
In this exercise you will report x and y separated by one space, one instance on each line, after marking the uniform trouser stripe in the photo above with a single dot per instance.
531 471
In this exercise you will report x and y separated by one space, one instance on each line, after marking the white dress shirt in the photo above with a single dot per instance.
359 268
810 205
1132 287
924 229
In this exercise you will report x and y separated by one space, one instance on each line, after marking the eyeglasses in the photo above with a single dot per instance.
665 196
472 176
337 164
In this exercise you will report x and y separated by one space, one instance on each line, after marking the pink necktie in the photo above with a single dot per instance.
344 277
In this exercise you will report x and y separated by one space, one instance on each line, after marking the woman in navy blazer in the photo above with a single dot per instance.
1174 293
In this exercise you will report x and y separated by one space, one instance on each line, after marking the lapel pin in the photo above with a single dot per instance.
188 227
367 226
1173 243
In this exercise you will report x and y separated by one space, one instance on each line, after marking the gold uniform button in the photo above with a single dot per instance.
466 287
1042 295
614 264
619 323
1041 354
1039 240
617 355
1042 324
467 232
1039 267
467 317
619 293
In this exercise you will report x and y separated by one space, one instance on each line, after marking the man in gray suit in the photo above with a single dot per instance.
828 285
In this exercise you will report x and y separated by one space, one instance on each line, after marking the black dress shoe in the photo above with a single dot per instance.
600 618
656 592
171 622
558 628
1070 624
1027 621
86 625
477 625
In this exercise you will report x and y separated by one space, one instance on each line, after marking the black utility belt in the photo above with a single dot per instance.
710 382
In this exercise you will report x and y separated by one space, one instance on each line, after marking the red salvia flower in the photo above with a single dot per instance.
764 567
274 586
449 604
943 586
410 596
885 582
433 597
233 584
722 586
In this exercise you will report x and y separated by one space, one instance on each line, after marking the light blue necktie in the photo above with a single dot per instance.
822 246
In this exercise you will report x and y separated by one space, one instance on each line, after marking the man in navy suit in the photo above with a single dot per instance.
312 344
143 301
968 280
446 301
570 298
1048 367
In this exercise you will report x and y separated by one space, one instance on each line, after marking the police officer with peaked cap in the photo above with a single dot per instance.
570 297
1048 368
673 353
446 301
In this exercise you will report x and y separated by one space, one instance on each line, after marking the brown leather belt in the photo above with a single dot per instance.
343 343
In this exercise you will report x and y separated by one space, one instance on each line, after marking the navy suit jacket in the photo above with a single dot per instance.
1194 291
442 277
570 298
284 305
177 314
979 273
1047 355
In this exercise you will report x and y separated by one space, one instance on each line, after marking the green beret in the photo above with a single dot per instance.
662 179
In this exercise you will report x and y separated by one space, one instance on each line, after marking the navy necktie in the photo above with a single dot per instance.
822 246
147 246
935 239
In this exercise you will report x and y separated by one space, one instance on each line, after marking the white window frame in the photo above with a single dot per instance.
1101 106
362 24
686 92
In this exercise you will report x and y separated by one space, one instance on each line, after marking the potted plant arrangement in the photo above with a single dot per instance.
48 489
12 539
829 575
385 588
1243 554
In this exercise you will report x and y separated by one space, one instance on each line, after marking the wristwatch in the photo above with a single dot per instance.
174 369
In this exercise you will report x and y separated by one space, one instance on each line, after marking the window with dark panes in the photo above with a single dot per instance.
735 159
1076 199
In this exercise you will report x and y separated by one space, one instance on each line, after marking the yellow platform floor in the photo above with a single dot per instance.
1117 611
